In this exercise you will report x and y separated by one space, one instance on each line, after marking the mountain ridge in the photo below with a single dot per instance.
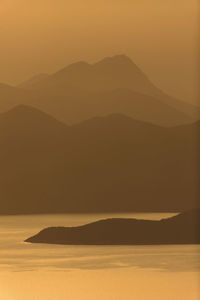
81 91
106 164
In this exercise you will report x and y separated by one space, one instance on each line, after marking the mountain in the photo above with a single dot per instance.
118 72
75 105
23 123
104 164
28 84
10 97
180 229
112 73
82 91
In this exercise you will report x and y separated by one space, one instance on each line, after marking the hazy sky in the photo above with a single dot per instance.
161 36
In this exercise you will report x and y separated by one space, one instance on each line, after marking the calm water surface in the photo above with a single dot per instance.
55 272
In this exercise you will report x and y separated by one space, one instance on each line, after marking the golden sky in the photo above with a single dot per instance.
161 36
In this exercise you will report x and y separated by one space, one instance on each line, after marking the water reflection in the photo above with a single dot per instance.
16 255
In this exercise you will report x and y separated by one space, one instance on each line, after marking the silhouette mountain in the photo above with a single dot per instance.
105 164
82 91
25 122
28 84
180 229
10 97
112 73
108 74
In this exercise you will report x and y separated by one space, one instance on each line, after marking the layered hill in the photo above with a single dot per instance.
180 229
81 91
11 96
29 84
104 164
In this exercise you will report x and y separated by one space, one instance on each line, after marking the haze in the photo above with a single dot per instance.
160 36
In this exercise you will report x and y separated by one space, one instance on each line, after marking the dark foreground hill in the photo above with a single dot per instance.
108 164
181 229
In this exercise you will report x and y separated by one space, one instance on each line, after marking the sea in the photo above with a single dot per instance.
59 272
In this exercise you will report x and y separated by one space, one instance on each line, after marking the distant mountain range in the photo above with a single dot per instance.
180 229
33 81
105 164
82 91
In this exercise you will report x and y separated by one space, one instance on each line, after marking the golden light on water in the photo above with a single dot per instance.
108 284
43 36
90 272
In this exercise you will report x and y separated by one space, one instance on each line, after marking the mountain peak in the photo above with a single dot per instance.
82 66
22 108
29 113
116 60
79 66
25 118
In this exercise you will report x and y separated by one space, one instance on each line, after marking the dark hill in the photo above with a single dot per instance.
25 122
11 96
105 164
181 229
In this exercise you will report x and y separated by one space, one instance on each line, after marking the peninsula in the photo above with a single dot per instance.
180 229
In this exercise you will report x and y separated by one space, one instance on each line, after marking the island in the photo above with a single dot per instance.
180 229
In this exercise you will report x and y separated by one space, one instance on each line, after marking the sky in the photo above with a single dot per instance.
160 36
